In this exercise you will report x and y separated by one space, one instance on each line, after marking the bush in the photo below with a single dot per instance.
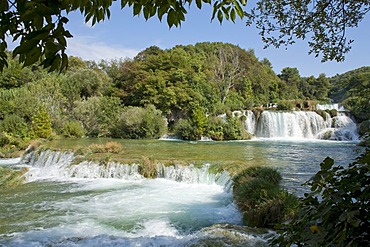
284 106
15 126
98 114
41 124
73 129
186 131
233 129
148 168
336 212
109 147
260 198
139 123
215 128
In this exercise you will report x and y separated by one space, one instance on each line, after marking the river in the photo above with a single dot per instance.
133 211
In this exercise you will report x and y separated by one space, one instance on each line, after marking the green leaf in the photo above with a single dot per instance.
137 8
171 18
64 64
55 63
38 35
220 16
199 3
33 56
25 46
4 5
233 15
327 163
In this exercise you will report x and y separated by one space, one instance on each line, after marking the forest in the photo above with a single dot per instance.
180 91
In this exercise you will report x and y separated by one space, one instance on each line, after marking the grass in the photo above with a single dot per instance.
259 196
10 177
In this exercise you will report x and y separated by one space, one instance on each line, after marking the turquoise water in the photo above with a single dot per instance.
145 212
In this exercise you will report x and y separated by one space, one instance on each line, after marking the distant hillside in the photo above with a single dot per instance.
340 84
353 90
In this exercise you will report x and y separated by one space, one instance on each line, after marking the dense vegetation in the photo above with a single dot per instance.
39 26
336 211
183 89
259 196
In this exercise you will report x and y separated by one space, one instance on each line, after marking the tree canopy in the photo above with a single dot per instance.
38 25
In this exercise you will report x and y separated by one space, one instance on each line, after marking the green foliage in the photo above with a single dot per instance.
14 126
340 84
139 123
215 129
260 198
323 24
233 129
41 124
358 98
98 114
336 211
185 130
10 177
285 106
40 26
73 129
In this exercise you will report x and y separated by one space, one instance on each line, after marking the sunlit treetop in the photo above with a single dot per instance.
38 25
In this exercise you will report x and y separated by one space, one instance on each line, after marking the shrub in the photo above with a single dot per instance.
113 147
284 106
98 114
73 129
148 168
185 130
215 128
41 124
233 129
109 147
260 198
15 126
336 212
4 139
138 123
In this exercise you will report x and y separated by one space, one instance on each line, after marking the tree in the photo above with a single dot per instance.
292 78
282 22
40 24
227 69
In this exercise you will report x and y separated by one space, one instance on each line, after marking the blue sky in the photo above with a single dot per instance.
124 35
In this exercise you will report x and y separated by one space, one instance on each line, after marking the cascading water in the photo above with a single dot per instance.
301 125
294 124
59 166
91 204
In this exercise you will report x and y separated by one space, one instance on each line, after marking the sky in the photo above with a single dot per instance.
123 36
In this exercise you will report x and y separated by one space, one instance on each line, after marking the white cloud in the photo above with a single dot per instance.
89 49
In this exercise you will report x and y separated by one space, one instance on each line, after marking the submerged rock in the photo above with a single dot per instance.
231 235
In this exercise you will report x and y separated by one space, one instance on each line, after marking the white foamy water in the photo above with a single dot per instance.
92 205
11 161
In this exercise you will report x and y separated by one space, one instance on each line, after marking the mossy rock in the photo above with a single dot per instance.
364 127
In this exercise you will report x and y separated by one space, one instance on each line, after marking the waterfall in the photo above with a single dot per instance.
296 124
342 128
250 122
62 166
336 106
301 125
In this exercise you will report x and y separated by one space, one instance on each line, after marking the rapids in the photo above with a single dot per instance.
87 204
